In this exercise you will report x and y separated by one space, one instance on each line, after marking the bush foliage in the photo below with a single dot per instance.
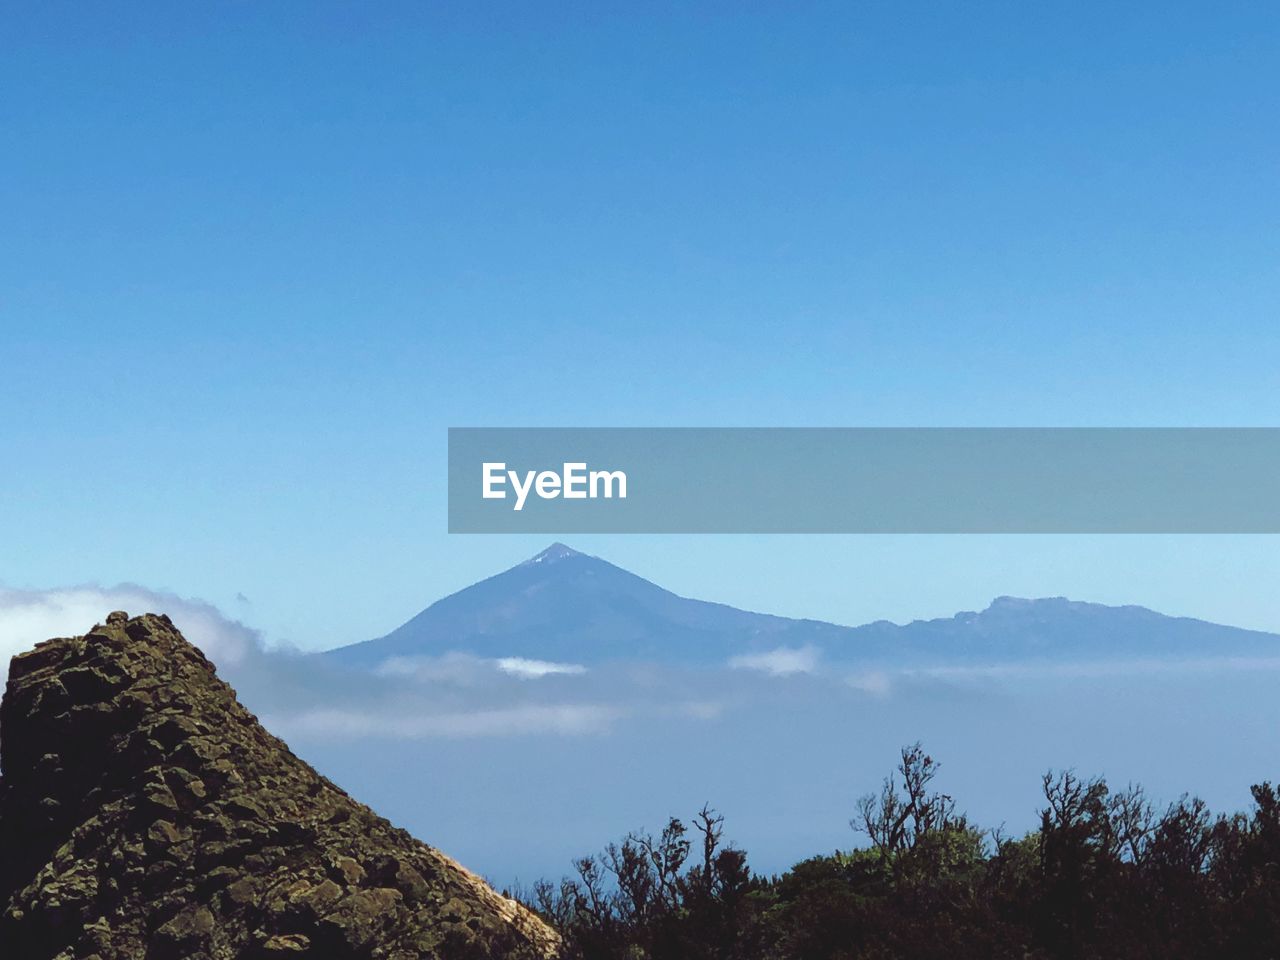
1107 874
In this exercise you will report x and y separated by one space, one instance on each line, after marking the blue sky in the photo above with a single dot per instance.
255 259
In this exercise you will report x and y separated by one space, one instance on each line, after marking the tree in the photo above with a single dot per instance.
898 816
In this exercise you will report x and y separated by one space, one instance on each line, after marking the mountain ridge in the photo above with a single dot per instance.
566 606
145 812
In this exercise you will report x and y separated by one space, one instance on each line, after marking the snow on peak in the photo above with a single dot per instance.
557 551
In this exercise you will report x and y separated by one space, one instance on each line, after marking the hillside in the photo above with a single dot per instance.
145 812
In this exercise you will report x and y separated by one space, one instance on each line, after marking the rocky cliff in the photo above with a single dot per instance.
144 813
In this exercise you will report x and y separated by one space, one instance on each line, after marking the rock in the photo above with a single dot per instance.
145 813
184 935
286 945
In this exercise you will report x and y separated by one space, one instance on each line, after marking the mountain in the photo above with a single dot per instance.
145 813
1058 629
565 606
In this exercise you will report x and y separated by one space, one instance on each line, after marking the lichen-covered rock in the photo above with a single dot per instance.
144 813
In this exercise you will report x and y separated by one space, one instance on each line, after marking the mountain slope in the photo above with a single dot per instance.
1058 629
566 606
145 813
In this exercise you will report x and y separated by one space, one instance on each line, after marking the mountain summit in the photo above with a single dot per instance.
565 606
557 551
145 813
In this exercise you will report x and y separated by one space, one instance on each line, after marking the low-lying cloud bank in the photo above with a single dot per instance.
571 719
454 695
464 669
416 718
781 662
448 696
29 616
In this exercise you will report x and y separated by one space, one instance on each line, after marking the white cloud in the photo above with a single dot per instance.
460 669
874 682
532 669
567 719
30 616
465 669
780 662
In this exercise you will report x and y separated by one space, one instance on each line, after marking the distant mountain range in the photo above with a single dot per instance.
568 607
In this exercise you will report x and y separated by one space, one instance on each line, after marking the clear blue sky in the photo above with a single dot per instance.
256 258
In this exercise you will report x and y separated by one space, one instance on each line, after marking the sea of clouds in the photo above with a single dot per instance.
516 765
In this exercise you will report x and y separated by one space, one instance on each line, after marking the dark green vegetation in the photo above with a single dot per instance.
1106 875
144 813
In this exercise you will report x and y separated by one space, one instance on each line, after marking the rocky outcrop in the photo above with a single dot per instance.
144 813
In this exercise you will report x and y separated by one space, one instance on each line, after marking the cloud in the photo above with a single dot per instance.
781 662
30 616
465 669
874 682
456 669
453 695
571 719
1097 669
532 669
